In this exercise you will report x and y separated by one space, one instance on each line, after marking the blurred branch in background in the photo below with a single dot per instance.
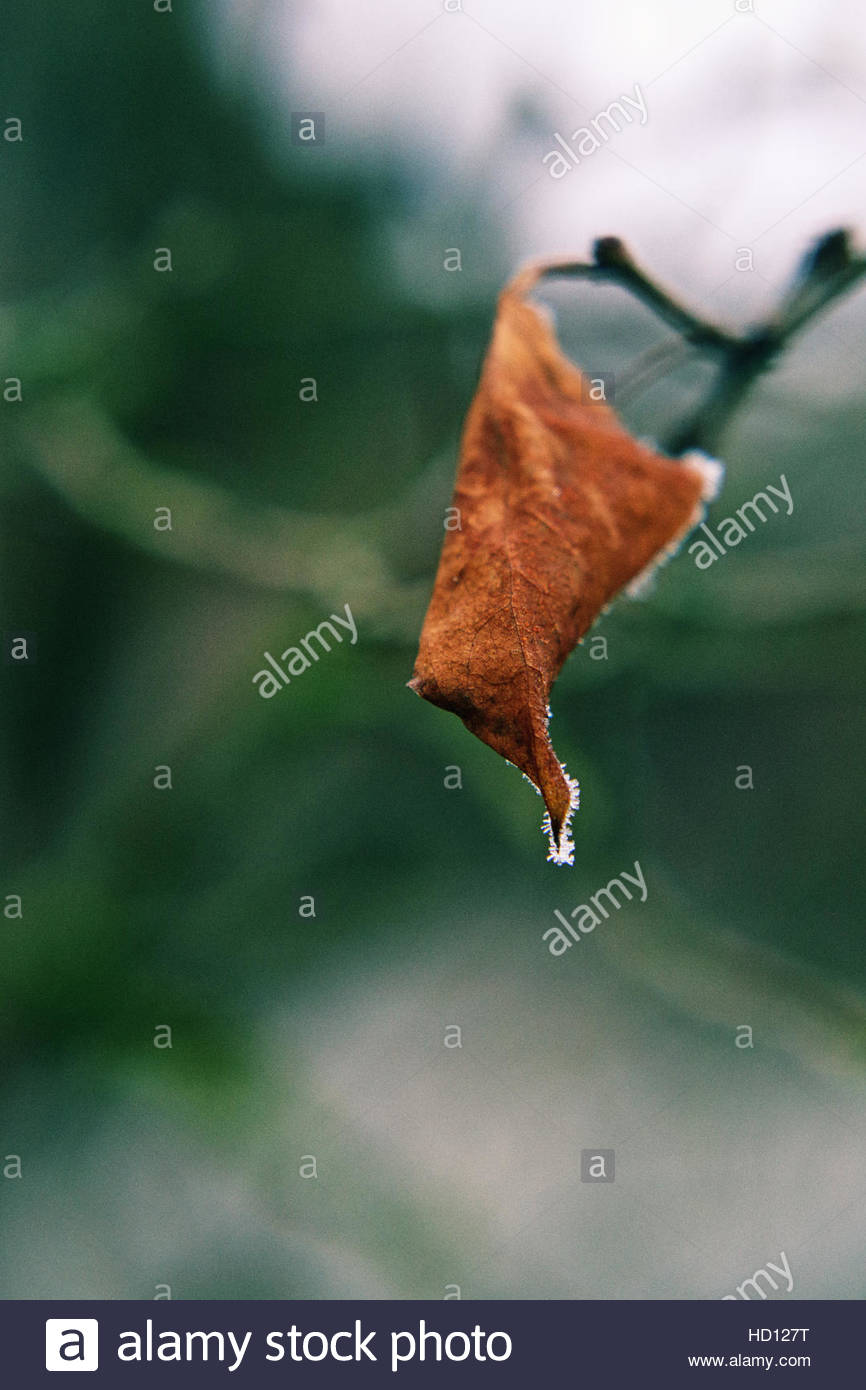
105 481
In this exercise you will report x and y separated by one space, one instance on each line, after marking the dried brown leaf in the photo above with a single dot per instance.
559 509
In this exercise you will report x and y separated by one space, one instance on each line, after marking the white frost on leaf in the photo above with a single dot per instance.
562 851
712 472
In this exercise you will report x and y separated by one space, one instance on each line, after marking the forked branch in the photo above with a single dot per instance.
828 270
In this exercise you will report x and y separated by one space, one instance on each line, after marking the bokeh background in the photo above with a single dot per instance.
145 1167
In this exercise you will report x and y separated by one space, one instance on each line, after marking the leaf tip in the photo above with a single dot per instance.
558 831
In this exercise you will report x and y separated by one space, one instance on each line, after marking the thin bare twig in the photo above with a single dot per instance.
828 270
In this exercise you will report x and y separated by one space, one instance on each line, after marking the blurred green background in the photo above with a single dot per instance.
291 1035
